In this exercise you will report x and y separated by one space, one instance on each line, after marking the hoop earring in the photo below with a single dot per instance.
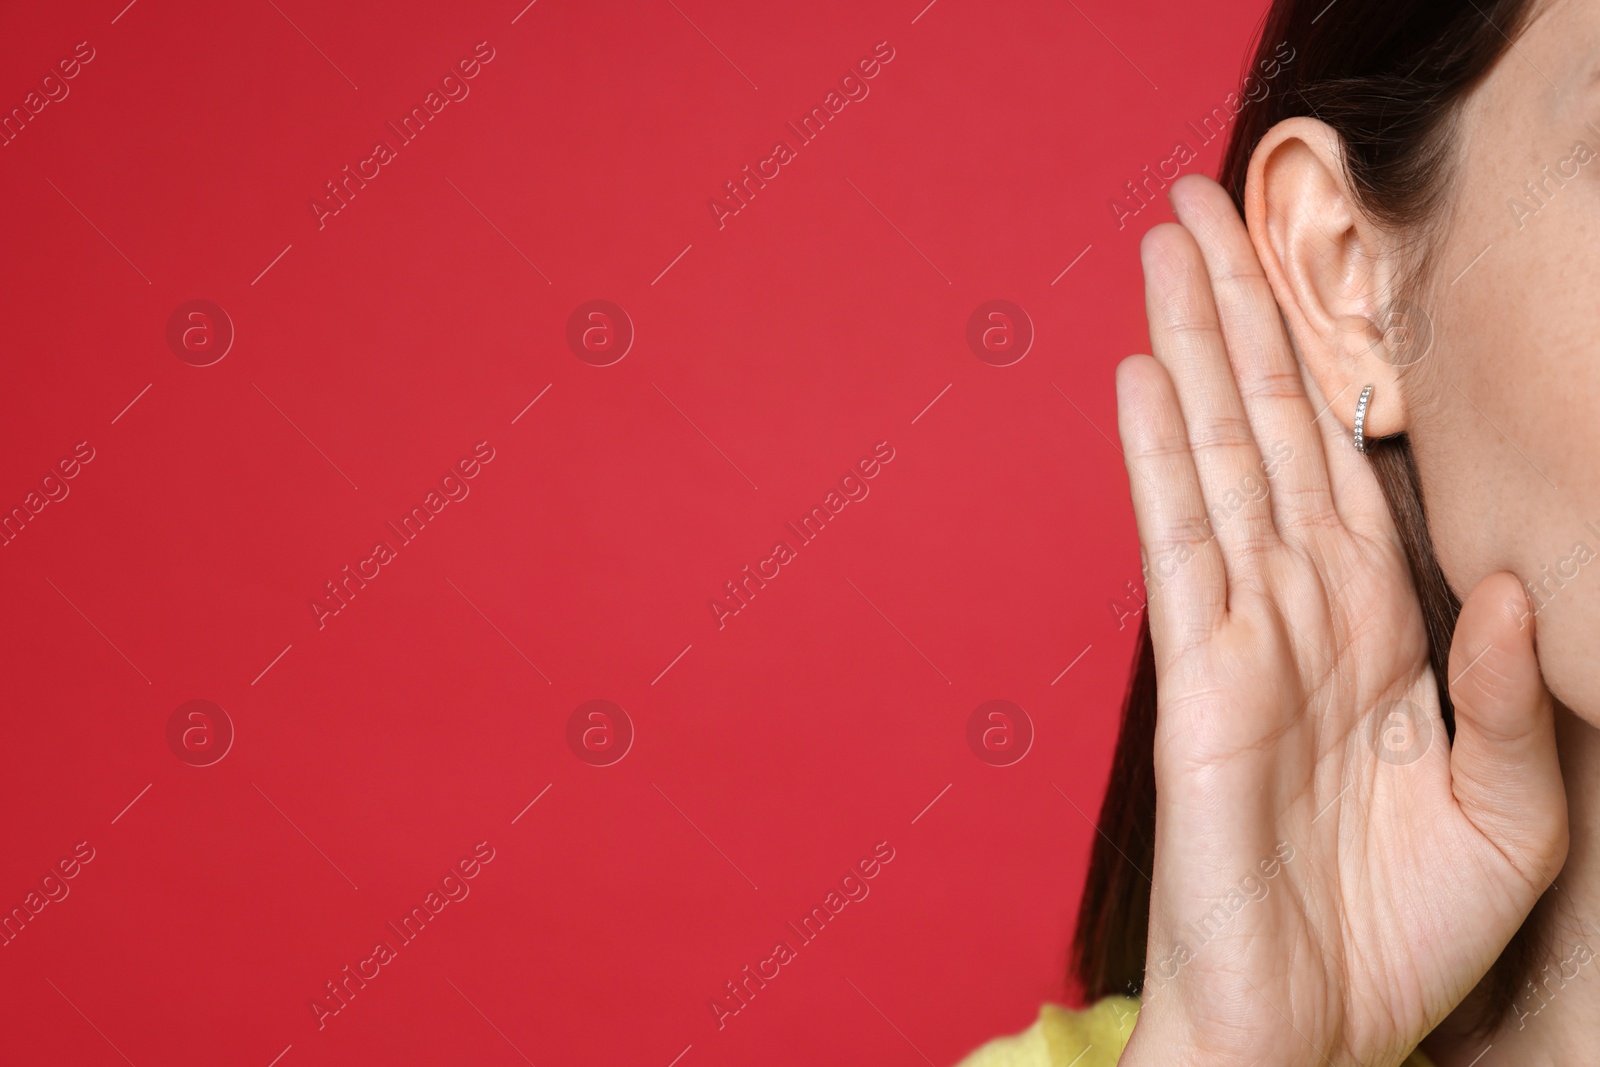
1361 420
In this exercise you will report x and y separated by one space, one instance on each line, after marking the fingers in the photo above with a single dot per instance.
1503 766
1185 577
1186 336
1262 361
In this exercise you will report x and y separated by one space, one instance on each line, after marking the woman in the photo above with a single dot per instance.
1363 464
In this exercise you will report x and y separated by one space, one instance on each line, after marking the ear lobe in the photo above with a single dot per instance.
1331 268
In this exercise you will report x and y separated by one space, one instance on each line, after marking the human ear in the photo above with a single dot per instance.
1332 269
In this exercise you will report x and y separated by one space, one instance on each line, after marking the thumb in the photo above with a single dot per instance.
1503 766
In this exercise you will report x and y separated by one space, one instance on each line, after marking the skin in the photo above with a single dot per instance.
1285 625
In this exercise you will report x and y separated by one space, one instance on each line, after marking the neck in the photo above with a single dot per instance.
1556 1012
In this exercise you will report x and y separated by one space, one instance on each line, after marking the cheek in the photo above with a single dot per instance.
1501 414
1506 444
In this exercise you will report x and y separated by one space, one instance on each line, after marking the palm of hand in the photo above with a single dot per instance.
1331 876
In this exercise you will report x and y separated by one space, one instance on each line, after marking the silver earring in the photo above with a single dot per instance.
1361 420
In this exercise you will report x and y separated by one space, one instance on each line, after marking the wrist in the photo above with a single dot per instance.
1159 1042
1166 1035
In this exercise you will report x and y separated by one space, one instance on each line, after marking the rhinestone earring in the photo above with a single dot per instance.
1361 420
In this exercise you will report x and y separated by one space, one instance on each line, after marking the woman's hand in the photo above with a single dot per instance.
1331 876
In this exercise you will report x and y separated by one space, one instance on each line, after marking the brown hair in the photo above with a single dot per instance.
1389 76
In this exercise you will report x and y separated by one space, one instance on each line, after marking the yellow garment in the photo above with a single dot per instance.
1093 1037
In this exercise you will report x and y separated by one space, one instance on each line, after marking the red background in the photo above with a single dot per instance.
373 753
